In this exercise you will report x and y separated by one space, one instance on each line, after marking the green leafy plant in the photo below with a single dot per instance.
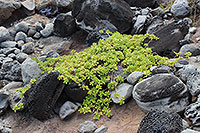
93 68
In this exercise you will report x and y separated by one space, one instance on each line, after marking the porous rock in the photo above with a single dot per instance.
42 96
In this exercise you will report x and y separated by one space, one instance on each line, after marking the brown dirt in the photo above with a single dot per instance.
125 119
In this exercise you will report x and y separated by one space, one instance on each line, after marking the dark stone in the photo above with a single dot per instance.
3 103
169 37
75 93
161 92
141 3
43 94
89 12
64 25
161 122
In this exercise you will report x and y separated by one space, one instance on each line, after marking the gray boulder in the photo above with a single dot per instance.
192 113
161 92
30 70
20 36
8 44
161 122
87 127
3 103
169 37
180 8
122 90
192 48
89 12
21 57
139 24
48 30
161 69
29 6
40 99
193 83
64 25
4 33
67 109
134 77
22 26
28 48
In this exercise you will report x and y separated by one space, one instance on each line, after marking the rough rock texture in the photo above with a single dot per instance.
193 83
87 127
141 3
180 8
42 96
192 113
64 25
67 109
7 7
192 48
162 69
30 70
101 129
5 128
89 12
161 92
4 34
3 103
161 122
189 131
169 37
48 30
123 90
134 77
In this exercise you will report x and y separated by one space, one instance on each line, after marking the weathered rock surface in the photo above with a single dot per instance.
87 127
48 30
194 49
122 91
134 77
169 37
30 70
4 34
3 103
141 3
67 109
161 122
88 13
180 8
64 25
42 96
161 92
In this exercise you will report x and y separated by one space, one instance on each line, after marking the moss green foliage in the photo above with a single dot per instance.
93 68
22 91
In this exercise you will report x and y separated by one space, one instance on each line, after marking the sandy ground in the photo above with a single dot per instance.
125 119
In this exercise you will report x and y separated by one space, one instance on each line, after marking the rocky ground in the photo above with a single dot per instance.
167 102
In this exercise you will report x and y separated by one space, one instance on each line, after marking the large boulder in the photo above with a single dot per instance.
161 92
4 34
141 3
43 94
169 37
180 8
89 12
7 7
161 122
64 25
